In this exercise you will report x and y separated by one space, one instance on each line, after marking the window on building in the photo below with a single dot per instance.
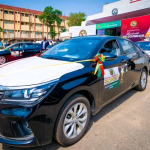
1 9
11 12
6 22
26 15
36 16
15 12
22 32
26 23
5 12
26 32
10 22
22 23
16 30
15 21
40 33
5 31
31 14
18 12
127 46
18 21
48 33
36 32
11 31
40 25
36 24
22 14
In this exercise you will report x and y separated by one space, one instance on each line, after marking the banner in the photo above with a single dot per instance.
107 25
136 29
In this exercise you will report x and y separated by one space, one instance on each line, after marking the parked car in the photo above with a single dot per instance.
55 95
17 51
145 46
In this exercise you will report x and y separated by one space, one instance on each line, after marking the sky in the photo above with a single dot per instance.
89 7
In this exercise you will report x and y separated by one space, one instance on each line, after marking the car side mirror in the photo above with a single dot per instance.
109 56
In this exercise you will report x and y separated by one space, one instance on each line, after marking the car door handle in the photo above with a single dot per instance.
123 61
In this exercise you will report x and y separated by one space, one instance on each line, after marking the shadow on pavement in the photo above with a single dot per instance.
103 112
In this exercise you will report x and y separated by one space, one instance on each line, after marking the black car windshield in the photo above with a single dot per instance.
72 50
144 45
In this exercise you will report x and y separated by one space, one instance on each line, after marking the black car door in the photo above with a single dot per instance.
113 83
134 60
31 49
17 51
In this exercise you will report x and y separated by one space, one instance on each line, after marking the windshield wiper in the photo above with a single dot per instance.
54 58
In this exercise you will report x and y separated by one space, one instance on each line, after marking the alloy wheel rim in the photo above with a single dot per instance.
143 80
2 60
75 120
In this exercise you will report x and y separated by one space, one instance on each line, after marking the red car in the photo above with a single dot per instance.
19 50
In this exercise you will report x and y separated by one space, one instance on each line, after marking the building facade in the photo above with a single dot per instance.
20 24
127 18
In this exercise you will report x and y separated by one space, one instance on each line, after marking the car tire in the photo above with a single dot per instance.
72 120
3 60
143 81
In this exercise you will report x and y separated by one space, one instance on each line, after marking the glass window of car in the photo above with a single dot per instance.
29 46
17 47
127 46
74 49
144 45
111 47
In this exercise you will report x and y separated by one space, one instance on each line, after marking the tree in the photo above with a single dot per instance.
63 30
75 19
1 30
49 17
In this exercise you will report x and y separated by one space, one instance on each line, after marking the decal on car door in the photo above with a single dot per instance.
16 53
111 78
114 76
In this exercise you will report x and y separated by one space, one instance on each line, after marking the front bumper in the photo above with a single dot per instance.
28 128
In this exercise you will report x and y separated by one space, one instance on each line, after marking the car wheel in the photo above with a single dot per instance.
72 120
143 81
2 60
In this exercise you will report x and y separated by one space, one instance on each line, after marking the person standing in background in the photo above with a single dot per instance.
58 41
44 44
8 43
50 42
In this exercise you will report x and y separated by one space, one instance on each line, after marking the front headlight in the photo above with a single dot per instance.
28 95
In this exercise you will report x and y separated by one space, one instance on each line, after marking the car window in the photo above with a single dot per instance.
127 46
111 47
17 47
74 49
29 46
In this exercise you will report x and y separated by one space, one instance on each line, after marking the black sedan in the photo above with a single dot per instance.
55 94
17 51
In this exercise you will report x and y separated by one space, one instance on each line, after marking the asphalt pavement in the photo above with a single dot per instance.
124 124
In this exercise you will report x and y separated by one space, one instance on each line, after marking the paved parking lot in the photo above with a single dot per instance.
123 124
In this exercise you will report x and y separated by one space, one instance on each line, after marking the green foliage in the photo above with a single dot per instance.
52 33
49 17
75 19
63 30
1 30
